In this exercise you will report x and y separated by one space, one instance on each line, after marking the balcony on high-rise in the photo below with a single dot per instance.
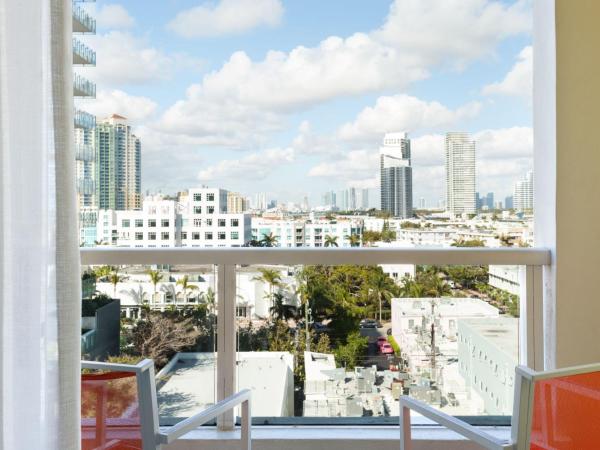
84 119
83 23
82 54
83 87
84 152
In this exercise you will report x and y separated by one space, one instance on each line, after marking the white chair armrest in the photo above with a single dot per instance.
452 423
189 424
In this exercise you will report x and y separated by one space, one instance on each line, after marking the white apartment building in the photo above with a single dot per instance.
311 233
206 222
488 352
505 278
460 173
236 203
200 219
523 193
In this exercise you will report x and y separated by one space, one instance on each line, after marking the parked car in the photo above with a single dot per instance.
386 349
381 340
368 323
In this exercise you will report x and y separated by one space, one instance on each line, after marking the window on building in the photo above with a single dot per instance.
235 222
210 209
209 222
222 222
125 223
235 235
210 197
197 197
222 235
195 236
139 236
152 223
164 223
197 209
139 223
197 222
151 236
183 235
164 235
208 236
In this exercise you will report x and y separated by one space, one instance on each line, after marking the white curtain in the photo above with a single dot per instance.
39 264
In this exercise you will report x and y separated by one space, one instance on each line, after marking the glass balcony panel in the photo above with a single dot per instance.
83 87
83 119
83 55
164 312
317 341
83 23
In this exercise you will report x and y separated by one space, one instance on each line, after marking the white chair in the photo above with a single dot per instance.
119 409
557 409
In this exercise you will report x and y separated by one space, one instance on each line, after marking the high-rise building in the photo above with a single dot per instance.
422 203
396 175
508 202
329 200
236 203
260 201
460 173
83 56
118 165
523 193
363 199
489 200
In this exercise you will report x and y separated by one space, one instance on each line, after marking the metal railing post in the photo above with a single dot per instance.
226 365
531 347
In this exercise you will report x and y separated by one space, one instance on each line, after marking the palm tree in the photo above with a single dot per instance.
155 277
269 240
281 310
330 241
114 278
437 287
354 240
272 278
185 286
383 287
104 271
138 295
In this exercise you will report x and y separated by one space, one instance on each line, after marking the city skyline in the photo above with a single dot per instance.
207 114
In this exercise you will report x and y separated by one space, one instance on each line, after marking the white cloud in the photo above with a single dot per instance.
519 80
308 143
255 166
124 59
505 143
452 32
403 113
108 102
352 166
416 36
226 17
114 16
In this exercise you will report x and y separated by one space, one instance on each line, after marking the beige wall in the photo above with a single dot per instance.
576 291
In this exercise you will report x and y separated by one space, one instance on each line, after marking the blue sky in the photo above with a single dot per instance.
293 97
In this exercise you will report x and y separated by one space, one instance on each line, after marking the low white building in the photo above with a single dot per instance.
488 351
188 383
199 218
505 278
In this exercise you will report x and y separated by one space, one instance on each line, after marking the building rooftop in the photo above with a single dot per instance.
187 384
450 306
502 333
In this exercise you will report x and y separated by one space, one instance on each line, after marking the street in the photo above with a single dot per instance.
373 355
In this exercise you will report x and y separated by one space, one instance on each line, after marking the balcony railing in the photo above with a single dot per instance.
531 261
82 54
84 152
83 23
84 119
82 87
85 186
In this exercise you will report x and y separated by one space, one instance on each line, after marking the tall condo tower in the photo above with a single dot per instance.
460 173
84 122
523 193
118 165
396 175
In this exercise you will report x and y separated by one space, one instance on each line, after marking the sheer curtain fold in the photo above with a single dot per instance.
39 261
